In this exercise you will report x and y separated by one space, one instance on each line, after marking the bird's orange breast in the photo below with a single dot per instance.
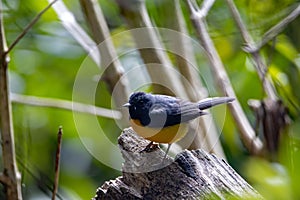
169 134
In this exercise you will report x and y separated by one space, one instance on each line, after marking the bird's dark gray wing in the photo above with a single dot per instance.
168 113
158 116
189 111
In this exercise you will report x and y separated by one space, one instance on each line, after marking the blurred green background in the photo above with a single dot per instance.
47 59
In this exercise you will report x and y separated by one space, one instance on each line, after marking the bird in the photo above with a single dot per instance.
164 119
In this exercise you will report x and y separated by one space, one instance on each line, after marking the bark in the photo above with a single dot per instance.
10 178
272 118
193 174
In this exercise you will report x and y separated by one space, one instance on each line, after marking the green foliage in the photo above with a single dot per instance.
46 61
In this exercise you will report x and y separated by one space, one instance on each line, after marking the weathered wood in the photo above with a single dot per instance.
272 116
192 175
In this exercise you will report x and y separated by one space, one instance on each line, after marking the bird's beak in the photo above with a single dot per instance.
126 105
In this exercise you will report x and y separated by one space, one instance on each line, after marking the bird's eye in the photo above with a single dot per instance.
134 107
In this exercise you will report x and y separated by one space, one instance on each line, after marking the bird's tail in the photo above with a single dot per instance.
210 102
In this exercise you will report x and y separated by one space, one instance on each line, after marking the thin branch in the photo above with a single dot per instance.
151 49
64 104
185 58
113 75
258 62
57 161
275 30
69 22
29 26
245 34
203 11
248 136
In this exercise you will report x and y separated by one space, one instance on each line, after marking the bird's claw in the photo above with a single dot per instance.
150 147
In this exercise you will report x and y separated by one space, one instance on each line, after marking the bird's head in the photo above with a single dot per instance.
139 105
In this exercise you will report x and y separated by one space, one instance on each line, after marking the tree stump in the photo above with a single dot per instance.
193 174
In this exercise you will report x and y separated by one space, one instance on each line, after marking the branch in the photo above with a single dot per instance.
207 136
113 75
10 170
275 30
69 22
261 68
201 13
185 58
29 26
64 104
149 45
247 134
57 161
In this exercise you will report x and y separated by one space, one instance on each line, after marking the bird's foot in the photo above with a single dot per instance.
150 147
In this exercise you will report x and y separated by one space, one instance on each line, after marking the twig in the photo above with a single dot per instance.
57 161
64 104
29 26
10 170
248 136
113 75
69 22
258 62
275 30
